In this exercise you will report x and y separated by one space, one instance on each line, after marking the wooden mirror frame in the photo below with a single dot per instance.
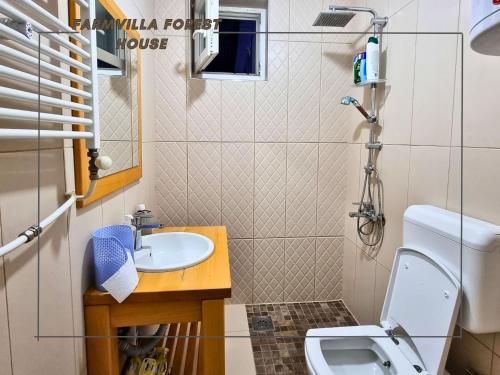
108 184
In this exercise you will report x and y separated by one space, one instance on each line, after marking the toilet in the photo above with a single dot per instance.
422 301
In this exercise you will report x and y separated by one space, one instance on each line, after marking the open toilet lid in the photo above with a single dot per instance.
423 297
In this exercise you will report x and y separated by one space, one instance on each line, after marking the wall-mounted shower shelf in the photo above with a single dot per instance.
366 83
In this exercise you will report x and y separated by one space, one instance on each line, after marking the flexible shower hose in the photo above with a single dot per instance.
144 349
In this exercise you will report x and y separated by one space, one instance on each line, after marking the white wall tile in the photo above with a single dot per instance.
171 183
241 260
269 270
328 269
204 184
301 195
270 189
113 208
331 189
170 91
204 110
271 103
303 97
238 111
352 189
169 9
336 79
237 189
441 16
299 269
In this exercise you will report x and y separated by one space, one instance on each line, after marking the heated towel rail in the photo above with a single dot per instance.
71 74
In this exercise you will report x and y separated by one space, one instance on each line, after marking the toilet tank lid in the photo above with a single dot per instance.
477 234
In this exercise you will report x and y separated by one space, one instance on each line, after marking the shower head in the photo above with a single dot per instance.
346 100
340 16
334 19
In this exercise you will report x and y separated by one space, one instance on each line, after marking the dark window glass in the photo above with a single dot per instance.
237 52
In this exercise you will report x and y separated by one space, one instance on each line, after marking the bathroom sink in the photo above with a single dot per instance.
172 251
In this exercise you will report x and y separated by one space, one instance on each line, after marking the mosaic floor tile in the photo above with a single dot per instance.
282 351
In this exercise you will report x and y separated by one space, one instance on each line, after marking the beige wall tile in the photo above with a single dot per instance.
18 194
5 360
303 95
496 347
396 6
270 189
271 97
398 105
299 269
301 194
382 276
238 189
170 182
238 111
395 163
279 19
204 110
439 16
328 268
302 16
241 260
336 80
113 208
269 270
204 184
170 9
480 195
468 353
433 109
364 291
352 189
348 272
428 181
331 189
170 91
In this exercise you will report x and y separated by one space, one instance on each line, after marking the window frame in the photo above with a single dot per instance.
202 57
244 13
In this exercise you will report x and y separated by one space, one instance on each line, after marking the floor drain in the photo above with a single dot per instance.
262 323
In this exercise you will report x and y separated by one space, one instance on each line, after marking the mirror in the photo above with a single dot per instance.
119 86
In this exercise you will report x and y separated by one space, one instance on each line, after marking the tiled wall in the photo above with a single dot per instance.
420 161
266 159
64 252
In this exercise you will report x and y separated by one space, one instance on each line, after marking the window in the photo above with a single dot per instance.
110 59
239 46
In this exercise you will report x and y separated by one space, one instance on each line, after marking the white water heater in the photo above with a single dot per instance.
485 27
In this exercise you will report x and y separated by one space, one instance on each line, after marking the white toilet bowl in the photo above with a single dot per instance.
422 300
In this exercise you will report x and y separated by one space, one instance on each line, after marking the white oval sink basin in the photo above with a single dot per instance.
172 251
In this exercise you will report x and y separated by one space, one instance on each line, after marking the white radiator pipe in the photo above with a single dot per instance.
30 233
21 115
59 25
21 39
44 66
47 83
17 15
82 3
30 97
44 134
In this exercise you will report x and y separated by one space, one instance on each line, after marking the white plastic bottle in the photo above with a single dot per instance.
372 59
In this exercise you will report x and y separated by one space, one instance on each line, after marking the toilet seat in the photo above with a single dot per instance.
364 338
422 302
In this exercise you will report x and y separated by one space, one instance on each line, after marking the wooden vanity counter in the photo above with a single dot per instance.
190 295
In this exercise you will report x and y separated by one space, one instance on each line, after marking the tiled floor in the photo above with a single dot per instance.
282 350
239 357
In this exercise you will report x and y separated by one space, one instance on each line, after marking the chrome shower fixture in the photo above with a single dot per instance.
341 15
346 100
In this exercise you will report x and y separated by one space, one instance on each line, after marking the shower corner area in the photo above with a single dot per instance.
280 162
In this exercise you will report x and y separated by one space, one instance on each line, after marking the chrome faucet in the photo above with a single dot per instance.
140 220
